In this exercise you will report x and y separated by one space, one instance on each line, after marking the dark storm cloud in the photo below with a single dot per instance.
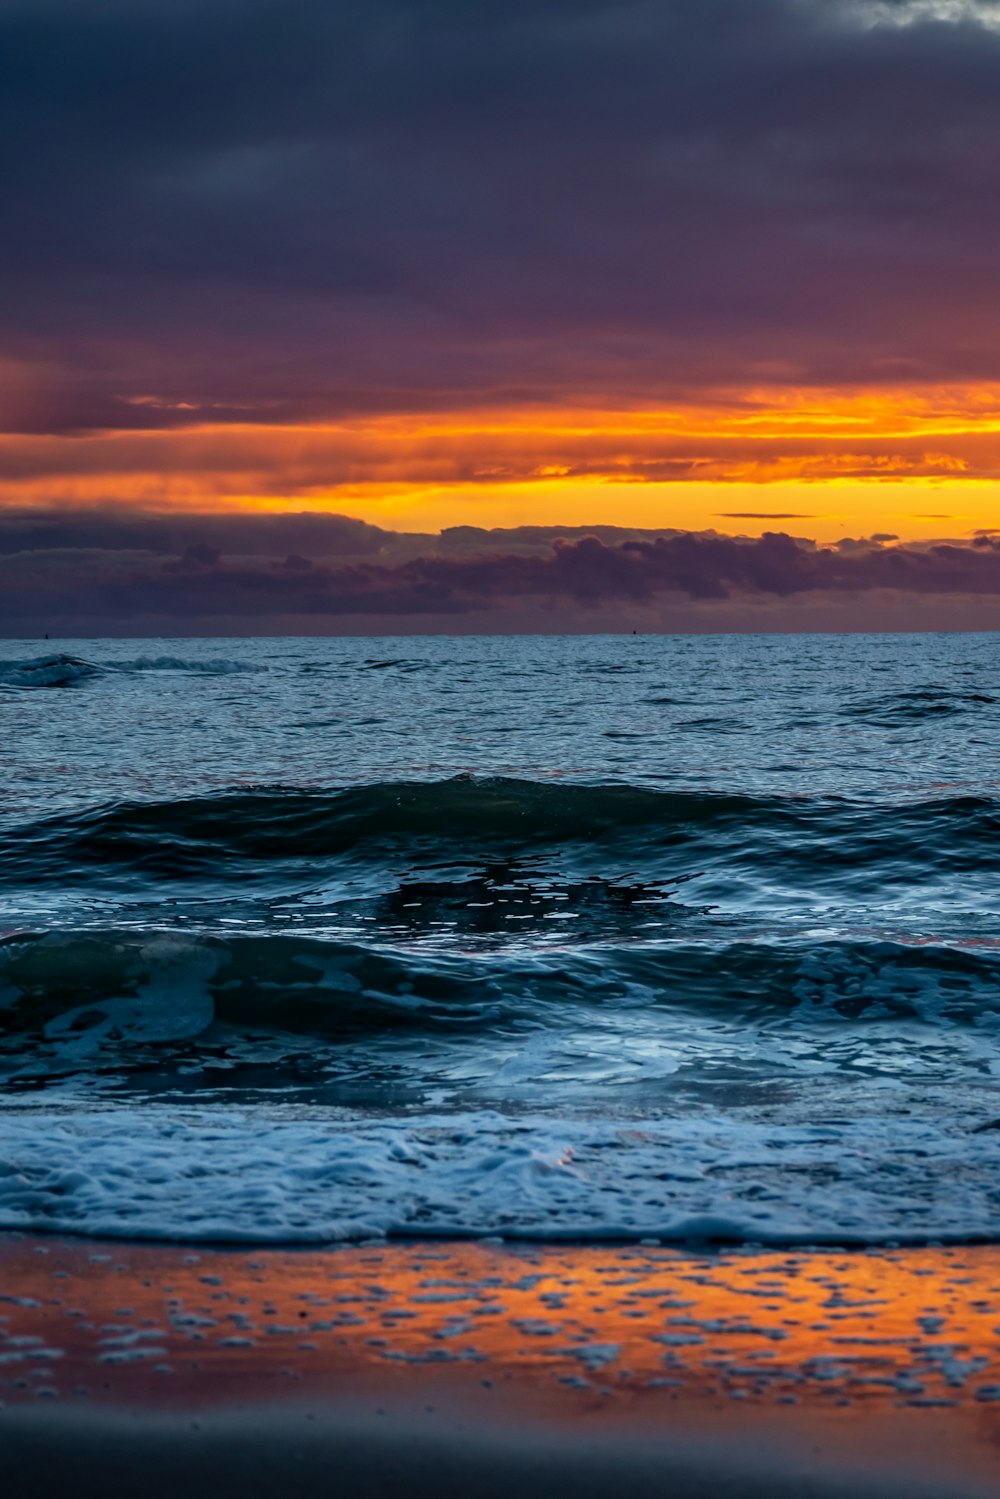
117 530
581 573
278 209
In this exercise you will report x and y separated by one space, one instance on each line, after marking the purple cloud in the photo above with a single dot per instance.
233 575
288 209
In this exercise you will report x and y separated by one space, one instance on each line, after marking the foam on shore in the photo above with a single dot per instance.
282 1176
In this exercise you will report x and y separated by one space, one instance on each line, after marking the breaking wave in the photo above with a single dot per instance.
57 670
113 988
62 670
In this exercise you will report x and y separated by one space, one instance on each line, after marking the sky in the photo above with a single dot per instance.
451 271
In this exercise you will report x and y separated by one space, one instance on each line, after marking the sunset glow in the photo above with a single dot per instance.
820 463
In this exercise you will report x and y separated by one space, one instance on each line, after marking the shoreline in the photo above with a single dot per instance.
584 1369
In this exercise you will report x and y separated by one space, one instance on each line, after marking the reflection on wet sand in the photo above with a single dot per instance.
881 1350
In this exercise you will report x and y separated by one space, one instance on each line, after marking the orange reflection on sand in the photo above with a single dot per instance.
898 1328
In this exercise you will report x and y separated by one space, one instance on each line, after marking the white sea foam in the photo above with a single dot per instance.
272 1176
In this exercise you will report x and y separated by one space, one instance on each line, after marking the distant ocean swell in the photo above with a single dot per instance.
62 670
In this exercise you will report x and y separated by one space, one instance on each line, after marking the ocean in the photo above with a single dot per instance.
676 939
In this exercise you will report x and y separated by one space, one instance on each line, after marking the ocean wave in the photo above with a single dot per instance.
80 995
208 666
213 1175
55 670
263 833
61 670
272 823
918 705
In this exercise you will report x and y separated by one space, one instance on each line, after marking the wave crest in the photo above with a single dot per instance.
81 992
265 834
60 669
55 670
262 823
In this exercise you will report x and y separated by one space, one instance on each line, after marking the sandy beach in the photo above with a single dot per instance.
480 1369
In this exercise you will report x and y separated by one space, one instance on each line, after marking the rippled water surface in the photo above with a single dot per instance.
566 937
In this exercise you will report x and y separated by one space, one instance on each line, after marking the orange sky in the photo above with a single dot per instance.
917 463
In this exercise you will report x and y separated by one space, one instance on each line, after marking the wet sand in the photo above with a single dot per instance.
477 1368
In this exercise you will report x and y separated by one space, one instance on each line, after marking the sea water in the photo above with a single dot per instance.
568 938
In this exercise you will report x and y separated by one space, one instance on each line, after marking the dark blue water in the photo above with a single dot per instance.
672 937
